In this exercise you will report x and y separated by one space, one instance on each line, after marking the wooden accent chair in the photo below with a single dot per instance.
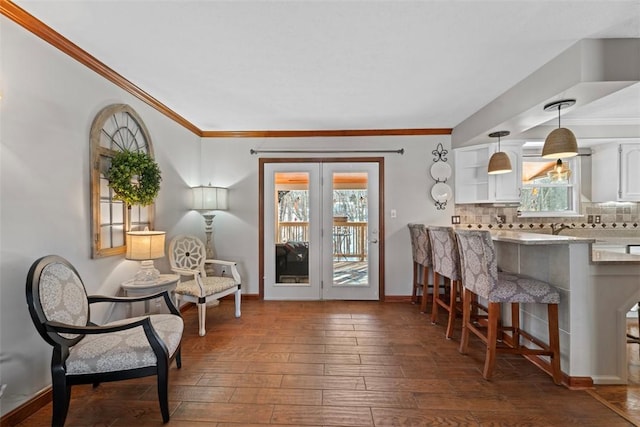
446 263
187 256
480 277
421 253
86 353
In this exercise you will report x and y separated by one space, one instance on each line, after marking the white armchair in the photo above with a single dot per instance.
187 256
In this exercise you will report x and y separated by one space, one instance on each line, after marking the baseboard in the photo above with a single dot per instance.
30 407
397 298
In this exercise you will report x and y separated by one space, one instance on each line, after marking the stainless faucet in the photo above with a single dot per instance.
557 228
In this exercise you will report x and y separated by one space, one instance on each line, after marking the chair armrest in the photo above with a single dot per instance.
164 294
220 262
231 264
105 298
185 271
65 328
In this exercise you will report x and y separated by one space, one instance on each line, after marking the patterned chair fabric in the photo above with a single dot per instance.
444 249
420 245
421 253
480 273
188 256
85 353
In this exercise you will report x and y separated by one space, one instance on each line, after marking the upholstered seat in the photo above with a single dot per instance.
187 256
86 353
480 278
421 254
446 263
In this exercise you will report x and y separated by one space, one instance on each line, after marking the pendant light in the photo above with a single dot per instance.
499 161
561 142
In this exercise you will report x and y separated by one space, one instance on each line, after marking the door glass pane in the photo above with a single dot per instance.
292 227
350 218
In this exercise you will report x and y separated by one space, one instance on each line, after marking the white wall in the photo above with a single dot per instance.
48 104
47 107
228 162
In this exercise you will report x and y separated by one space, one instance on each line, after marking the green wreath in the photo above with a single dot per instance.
134 177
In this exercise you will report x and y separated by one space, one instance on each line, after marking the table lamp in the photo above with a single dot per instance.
207 199
145 246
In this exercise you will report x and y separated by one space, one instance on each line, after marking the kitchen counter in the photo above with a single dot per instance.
600 254
525 238
597 289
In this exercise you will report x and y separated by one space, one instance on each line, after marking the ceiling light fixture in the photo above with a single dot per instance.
499 161
561 142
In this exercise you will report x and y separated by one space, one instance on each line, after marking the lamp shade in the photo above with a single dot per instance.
207 198
560 143
145 245
499 163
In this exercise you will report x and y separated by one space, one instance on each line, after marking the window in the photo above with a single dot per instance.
116 128
550 188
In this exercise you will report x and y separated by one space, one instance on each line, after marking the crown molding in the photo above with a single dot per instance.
323 133
46 33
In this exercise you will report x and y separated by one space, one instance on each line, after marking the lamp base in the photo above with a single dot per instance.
147 274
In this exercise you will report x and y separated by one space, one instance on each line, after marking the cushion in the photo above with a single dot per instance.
128 349
63 297
211 284
521 289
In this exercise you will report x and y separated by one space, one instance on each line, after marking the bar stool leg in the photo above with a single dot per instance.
554 342
492 338
467 297
436 292
515 324
453 302
414 294
425 289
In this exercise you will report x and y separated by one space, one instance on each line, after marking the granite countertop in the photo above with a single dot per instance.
525 238
610 257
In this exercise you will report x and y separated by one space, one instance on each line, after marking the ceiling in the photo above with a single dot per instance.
329 65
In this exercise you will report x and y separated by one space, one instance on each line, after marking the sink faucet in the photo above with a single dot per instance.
557 228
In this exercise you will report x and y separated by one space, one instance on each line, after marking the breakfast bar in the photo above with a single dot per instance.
597 289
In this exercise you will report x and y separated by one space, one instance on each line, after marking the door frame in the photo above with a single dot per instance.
261 227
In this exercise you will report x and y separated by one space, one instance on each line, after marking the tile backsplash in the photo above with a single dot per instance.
618 218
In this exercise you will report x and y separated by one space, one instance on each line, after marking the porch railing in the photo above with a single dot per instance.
349 238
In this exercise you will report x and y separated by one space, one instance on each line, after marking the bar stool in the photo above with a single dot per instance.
480 277
446 263
421 252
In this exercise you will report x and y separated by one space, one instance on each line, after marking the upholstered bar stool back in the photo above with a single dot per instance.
421 252
446 264
480 277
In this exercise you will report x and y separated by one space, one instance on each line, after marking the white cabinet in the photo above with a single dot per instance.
615 173
474 185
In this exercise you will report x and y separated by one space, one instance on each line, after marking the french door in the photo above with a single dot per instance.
321 231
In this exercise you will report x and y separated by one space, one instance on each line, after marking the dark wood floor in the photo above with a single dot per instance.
341 364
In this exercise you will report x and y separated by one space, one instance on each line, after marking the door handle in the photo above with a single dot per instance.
373 241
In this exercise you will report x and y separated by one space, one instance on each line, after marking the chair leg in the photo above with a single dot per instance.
202 314
163 391
492 338
467 298
554 342
515 323
436 292
179 358
414 292
453 302
61 398
425 288
238 295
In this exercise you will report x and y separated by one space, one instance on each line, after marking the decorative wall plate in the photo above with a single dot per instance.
440 171
441 192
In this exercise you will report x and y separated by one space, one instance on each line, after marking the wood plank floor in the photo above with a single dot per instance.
336 364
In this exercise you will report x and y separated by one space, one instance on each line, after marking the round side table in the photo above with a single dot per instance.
166 282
